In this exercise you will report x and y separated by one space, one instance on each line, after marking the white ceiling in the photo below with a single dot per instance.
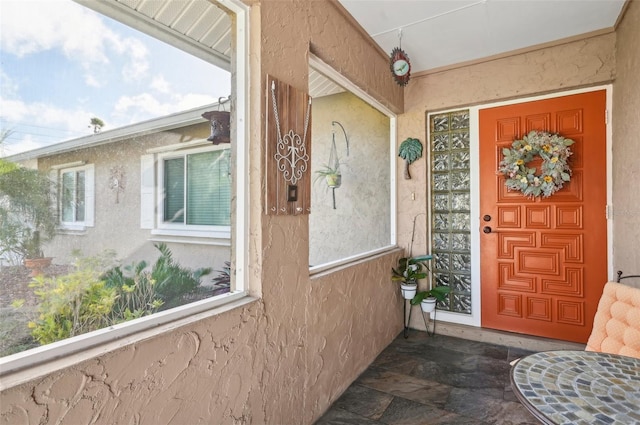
440 33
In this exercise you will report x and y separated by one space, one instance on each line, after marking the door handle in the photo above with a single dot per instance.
487 229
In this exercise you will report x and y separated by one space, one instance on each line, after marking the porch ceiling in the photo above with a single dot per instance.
435 33
442 33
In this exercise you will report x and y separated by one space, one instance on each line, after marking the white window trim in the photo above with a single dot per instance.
89 197
32 364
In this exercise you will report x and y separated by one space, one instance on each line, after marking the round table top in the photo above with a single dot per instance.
579 387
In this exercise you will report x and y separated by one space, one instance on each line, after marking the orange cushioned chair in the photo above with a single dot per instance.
616 326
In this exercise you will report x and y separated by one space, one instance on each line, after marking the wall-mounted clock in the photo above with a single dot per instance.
400 66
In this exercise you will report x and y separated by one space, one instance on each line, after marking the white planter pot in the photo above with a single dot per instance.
408 290
428 305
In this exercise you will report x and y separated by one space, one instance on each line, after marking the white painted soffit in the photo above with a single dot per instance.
196 26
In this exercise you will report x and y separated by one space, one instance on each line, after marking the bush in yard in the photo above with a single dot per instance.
136 289
98 294
71 304
172 281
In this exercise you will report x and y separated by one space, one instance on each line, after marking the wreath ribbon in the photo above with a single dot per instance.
554 151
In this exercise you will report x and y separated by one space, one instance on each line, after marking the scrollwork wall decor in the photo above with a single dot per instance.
288 146
117 180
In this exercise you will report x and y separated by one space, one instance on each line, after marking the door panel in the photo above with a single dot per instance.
544 262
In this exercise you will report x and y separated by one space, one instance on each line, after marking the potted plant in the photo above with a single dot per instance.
427 299
27 215
408 272
332 175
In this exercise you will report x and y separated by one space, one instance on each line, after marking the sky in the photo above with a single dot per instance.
62 64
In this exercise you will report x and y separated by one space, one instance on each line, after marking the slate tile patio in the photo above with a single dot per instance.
433 380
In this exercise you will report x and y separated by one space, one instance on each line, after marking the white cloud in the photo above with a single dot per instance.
12 147
160 84
29 27
57 124
193 100
145 105
14 110
33 26
138 64
140 105
8 87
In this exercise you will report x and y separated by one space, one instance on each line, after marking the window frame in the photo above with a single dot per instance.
25 366
89 195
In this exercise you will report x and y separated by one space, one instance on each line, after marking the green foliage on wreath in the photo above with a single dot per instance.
554 151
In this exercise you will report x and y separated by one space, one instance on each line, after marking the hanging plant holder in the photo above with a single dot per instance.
220 122
331 170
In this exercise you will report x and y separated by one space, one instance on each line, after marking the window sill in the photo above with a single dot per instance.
22 367
220 238
72 229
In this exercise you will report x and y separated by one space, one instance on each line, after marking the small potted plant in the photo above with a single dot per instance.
427 299
332 175
408 272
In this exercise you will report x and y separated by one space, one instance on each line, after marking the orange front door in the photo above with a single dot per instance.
544 262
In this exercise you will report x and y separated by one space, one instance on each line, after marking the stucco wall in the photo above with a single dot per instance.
281 359
578 64
360 222
626 144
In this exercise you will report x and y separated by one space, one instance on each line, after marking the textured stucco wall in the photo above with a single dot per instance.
361 220
282 359
577 64
626 144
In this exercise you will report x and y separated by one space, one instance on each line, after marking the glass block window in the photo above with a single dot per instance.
451 207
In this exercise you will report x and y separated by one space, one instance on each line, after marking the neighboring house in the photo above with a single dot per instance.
130 188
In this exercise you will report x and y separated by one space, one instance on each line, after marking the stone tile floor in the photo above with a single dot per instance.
433 380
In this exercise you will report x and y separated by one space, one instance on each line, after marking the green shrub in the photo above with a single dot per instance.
71 304
136 290
98 294
172 281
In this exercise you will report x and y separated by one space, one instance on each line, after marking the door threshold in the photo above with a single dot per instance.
510 339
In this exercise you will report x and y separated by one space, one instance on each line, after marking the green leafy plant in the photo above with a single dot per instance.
411 269
136 290
72 304
27 215
173 281
224 276
98 294
437 292
331 174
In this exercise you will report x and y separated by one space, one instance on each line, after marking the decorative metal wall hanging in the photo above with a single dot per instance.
399 64
288 150
117 180
220 122
410 150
